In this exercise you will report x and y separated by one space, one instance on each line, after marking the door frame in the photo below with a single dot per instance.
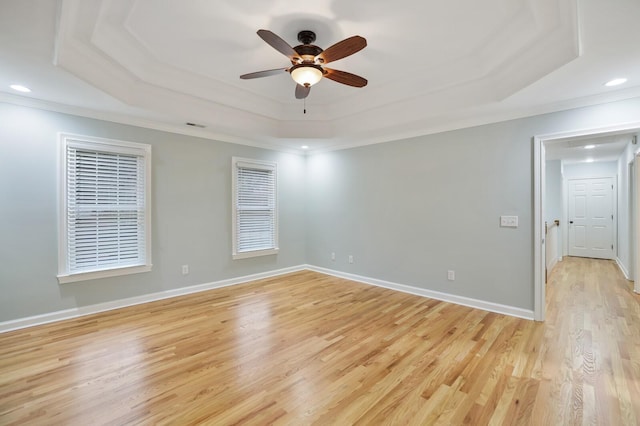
635 199
538 207
631 208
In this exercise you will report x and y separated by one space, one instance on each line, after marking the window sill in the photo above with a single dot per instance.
94 275
256 253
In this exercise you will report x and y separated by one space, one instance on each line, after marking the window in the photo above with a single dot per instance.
255 215
105 219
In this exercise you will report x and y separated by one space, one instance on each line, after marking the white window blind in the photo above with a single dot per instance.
106 218
255 212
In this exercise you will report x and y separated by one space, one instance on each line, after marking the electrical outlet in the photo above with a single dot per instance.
333 256
451 275
185 269
350 258
509 221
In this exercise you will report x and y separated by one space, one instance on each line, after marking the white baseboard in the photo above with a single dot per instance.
445 297
624 270
137 300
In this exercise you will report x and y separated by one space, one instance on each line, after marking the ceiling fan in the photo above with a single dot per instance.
307 61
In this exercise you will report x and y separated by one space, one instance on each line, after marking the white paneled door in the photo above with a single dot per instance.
591 218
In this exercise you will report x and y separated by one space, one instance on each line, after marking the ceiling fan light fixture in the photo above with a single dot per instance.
306 74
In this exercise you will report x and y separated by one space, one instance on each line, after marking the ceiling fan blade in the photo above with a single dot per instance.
278 43
345 78
265 73
342 49
302 91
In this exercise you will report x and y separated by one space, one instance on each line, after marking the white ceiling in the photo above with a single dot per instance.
606 147
431 66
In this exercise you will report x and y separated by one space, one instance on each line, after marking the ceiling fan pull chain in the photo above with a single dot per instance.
305 105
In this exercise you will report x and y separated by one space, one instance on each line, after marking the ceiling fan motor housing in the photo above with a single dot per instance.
306 50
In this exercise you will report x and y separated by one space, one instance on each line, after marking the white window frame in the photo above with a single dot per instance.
236 164
66 140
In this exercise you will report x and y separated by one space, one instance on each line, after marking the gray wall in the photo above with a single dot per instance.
407 211
553 196
191 213
590 170
553 206
410 210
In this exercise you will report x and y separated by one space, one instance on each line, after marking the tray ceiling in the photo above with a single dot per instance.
431 66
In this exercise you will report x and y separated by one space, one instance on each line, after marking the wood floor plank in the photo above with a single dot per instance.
308 348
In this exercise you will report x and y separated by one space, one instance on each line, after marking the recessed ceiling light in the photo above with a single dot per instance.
20 88
589 146
615 82
305 147
589 160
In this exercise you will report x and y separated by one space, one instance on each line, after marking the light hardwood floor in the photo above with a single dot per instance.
312 349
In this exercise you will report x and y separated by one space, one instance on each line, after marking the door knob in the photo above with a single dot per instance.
570 221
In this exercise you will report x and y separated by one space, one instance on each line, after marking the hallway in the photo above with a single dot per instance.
592 366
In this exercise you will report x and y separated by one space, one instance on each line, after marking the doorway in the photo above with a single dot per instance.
540 147
591 217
